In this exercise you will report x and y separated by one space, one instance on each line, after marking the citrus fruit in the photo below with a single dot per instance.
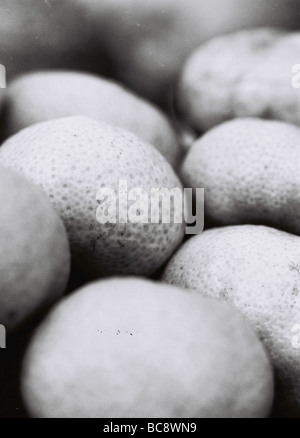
148 42
244 74
72 159
34 251
248 169
134 348
256 269
41 96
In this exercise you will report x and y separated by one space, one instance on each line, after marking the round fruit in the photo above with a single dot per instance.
249 170
245 74
41 96
257 269
72 159
34 251
146 350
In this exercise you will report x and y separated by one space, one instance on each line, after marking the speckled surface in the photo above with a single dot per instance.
257 269
71 159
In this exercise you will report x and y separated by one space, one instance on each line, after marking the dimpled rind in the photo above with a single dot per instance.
72 158
245 74
249 171
41 96
257 269
134 348
34 251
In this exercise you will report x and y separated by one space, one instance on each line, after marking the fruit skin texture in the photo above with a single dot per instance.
71 159
248 169
146 350
41 96
244 74
34 251
148 41
256 269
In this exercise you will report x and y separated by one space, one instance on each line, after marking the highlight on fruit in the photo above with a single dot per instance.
296 337
296 76
2 336
2 76
161 205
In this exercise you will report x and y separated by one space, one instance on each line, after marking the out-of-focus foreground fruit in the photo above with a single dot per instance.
34 251
72 158
245 74
147 41
256 269
250 173
134 348
41 96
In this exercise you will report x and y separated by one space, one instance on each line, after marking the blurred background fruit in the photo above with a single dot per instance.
249 171
140 43
146 350
34 251
36 97
257 270
148 41
245 74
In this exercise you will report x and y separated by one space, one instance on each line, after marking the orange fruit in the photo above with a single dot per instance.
41 96
248 169
71 159
244 74
35 259
152 39
256 269
146 350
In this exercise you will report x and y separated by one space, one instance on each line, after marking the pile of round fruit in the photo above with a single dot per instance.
107 310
